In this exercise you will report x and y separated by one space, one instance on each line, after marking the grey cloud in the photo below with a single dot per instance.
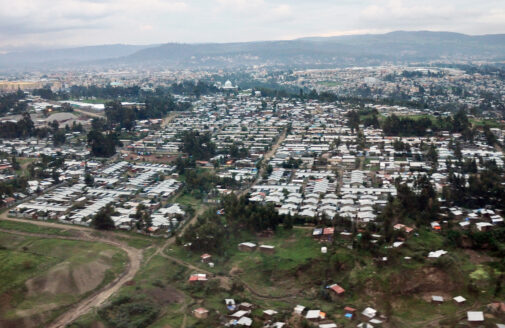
158 21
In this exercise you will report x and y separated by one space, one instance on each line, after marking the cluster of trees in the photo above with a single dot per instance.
184 163
46 167
408 126
401 146
45 93
157 104
143 216
102 220
155 107
134 93
59 134
237 150
212 231
421 207
492 240
23 128
160 104
198 145
292 163
103 144
107 92
200 183
490 137
204 181
123 116
9 187
411 126
127 312
360 99
367 117
484 188
12 101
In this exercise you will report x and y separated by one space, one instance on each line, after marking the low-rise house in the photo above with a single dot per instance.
327 325
315 315
198 277
299 309
484 226
269 314
239 314
336 290
403 227
245 321
369 312
475 317
317 233
201 313
247 247
328 233
246 306
206 258
349 312
459 299
230 304
267 249
436 254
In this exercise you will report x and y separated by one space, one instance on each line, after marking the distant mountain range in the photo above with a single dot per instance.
341 51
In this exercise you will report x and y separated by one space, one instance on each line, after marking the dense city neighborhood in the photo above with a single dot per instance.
327 206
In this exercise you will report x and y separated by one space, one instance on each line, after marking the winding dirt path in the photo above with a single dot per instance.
246 286
100 296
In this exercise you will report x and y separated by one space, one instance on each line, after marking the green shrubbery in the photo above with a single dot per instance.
129 312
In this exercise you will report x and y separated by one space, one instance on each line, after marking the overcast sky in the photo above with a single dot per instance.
89 22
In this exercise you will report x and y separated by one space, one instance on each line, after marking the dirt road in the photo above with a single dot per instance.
111 235
169 118
90 114
100 296
266 158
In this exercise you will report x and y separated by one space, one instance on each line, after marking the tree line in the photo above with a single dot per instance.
13 103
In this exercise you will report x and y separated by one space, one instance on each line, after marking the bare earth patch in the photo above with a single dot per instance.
478 258
62 279
166 295
39 309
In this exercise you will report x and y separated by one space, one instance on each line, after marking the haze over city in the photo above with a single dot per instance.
47 23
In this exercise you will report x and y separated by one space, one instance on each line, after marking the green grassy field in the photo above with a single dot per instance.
188 200
24 162
131 238
32 228
39 277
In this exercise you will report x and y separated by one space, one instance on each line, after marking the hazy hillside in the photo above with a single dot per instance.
336 51
51 57
395 47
